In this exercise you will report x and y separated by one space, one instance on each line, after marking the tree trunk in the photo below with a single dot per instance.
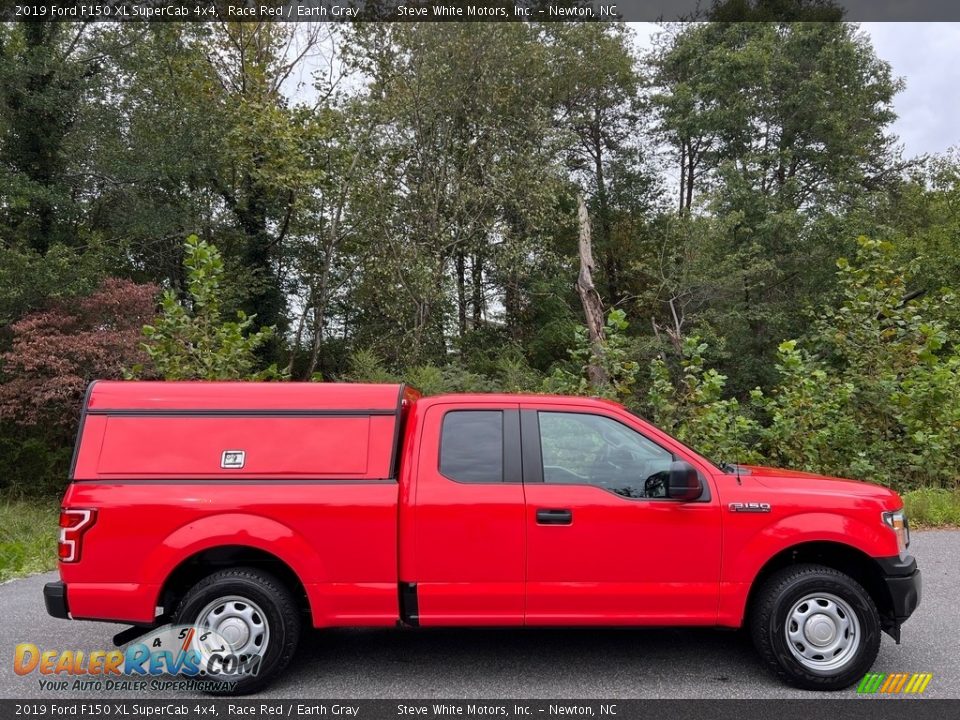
461 293
477 277
683 174
590 299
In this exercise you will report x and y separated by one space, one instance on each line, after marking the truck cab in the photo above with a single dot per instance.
368 505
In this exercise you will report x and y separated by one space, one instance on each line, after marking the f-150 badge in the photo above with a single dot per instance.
755 507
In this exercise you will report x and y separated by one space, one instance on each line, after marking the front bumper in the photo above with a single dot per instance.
55 598
902 578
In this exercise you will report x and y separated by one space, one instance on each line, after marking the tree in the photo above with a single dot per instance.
590 299
596 88
693 408
201 136
56 352
42 81
190 339
460 178
780 127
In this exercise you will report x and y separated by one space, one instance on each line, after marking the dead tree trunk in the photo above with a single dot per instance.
590 299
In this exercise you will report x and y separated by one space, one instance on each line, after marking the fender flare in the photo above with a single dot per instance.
740 573
792 530
240 529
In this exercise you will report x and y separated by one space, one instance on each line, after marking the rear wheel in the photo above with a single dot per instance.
251 618
815 627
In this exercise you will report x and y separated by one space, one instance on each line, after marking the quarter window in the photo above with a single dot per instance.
471 446
582 449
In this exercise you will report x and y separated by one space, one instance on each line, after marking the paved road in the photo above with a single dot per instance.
534 663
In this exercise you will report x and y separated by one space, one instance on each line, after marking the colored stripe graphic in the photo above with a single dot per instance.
894 683
187 640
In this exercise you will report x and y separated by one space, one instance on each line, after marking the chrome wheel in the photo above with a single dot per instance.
236 622
823 632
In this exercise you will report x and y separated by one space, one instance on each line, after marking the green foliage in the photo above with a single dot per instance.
779 127
933 507
810 423
417 221
43 78
877 393
616 359
28 536
510 375
190 339
29 279
693 409
33 463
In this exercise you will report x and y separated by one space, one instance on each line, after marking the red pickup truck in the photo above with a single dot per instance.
255 509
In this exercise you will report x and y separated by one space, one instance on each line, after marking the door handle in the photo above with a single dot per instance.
554 517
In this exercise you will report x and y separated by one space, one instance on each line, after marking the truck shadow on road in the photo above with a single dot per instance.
523 662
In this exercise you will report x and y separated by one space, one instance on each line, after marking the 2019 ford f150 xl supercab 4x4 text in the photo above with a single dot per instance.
251 509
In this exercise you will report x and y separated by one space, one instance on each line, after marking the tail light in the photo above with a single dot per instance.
74 522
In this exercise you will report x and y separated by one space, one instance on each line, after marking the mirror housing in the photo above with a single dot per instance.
684 483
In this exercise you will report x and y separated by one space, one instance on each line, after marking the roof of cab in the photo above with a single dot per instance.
132 396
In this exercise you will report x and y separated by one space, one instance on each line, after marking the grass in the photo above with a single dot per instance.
933 507
28 536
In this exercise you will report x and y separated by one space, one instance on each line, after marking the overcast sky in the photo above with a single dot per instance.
927 57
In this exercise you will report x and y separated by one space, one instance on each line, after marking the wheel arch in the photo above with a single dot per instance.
205 562
231 539
839 556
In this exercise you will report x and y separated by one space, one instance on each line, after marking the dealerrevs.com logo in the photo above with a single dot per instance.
201 657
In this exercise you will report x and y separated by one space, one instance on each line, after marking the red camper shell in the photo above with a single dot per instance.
220 430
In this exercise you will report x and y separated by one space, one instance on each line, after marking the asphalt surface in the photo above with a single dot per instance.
530 663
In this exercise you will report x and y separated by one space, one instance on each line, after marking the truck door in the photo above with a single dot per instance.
469 549
604 544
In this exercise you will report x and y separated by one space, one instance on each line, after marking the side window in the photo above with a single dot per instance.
584 449
471 446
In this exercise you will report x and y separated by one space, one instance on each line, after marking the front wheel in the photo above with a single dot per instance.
246 622
815 627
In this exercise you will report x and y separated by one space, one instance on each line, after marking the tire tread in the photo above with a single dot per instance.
286 607
766 607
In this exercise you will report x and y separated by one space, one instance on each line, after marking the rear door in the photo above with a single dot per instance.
469 543
604 544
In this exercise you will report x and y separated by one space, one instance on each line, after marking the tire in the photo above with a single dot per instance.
815 627
261 606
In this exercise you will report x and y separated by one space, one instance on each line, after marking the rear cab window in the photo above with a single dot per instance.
471 446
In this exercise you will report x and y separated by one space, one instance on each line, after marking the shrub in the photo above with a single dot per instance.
874 390
616 359
190 339
693 410
57 352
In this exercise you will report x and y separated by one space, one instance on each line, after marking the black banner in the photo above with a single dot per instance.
476 10
266 709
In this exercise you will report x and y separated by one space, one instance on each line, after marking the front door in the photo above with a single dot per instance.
604 544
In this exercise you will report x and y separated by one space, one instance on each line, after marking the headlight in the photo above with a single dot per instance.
897 521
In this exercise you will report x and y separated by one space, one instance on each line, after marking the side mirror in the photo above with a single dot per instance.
684 483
